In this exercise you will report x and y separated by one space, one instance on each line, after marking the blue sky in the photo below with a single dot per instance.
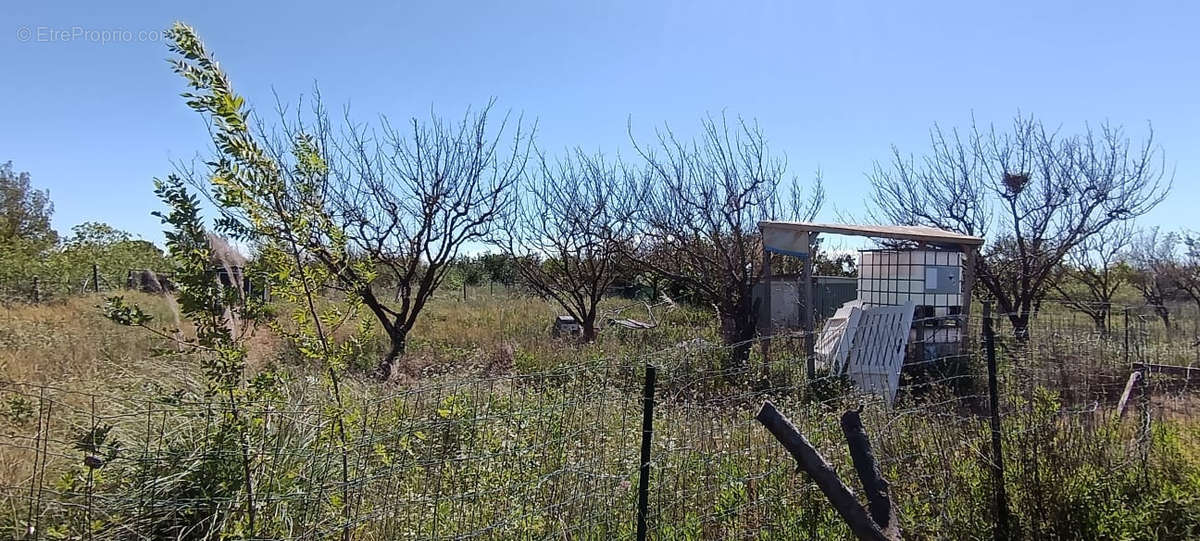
833 84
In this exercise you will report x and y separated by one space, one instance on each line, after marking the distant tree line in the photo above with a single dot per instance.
29 245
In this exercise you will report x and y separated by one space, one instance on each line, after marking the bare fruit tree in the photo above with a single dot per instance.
700 205
1153 256
1094 271
409 200
1186 272
353 208
567 235
1034 193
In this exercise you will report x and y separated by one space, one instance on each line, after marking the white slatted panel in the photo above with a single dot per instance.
833 345
876 352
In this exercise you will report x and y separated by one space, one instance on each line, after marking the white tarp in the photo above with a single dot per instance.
785 241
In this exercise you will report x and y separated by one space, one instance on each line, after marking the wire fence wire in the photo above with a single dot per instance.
556 453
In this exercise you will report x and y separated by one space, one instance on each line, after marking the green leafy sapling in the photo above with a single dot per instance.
215 311
277 203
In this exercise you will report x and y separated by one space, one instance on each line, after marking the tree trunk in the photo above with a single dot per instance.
589 329
1100 318
737 332
399 341
1020 325
1165 314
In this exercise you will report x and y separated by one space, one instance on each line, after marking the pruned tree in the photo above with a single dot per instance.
1153 255
567 237
336 210
1185 273
1094 271
409 201
700 205
1034 193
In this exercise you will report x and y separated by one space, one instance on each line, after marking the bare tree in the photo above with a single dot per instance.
1094 271
1185 273
1153 256
567 235
408 201
701 202
337 210
1035 194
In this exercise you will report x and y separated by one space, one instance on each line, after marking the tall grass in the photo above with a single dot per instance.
506 433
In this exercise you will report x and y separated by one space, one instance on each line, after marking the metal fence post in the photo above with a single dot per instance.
1127 336
647 438
997 462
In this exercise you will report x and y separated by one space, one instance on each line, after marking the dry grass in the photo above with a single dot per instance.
69 343
557 431
68 348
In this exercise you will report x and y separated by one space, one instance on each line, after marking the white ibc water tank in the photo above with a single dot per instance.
926 277
930 279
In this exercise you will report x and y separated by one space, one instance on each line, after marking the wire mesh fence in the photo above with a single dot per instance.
44 288
51 285
556 453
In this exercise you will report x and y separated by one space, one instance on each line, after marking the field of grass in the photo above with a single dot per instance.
499 431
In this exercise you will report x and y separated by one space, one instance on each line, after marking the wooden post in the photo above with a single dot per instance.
997 458
968 285
811 461
878 497
647 439
95 277
1126 347
37 290
1133 379
806 317
766 327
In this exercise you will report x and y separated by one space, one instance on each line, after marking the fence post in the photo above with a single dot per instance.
37 290
997 462
95 277
647 438
1127 336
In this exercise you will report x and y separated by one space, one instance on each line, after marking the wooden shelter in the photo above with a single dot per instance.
797 238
